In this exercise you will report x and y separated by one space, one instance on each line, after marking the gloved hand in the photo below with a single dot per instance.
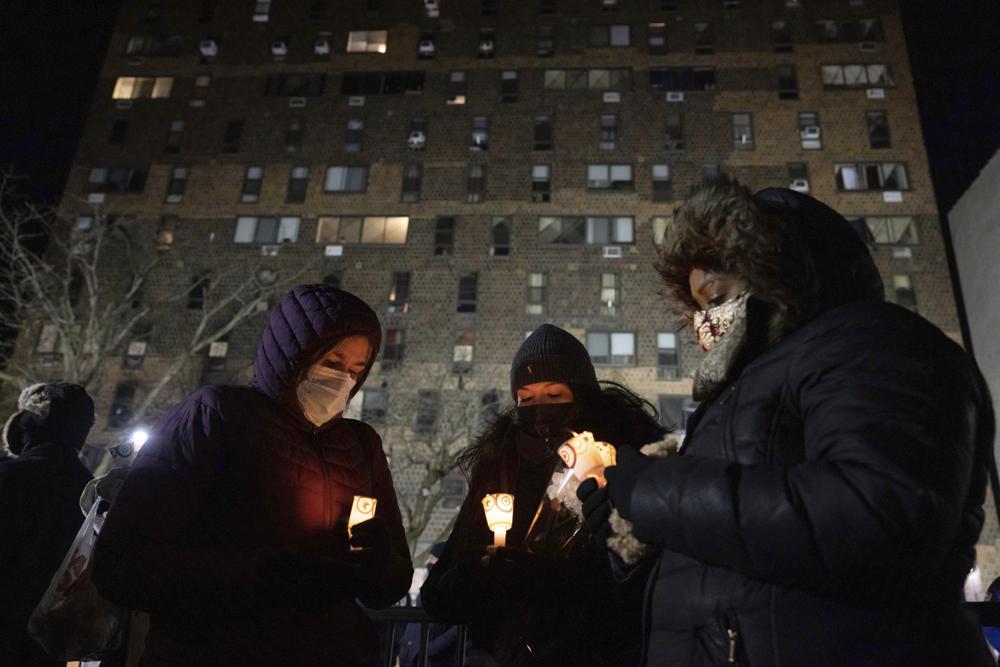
623 477
596 508
372 537
307 581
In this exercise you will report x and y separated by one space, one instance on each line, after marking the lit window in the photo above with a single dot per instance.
346 179
142 87
586 230
367 41
892 230
383 230
871 176
856 75
659 226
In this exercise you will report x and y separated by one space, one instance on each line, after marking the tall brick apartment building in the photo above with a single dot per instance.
473 169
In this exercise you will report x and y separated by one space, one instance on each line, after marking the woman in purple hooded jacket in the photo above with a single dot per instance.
230 529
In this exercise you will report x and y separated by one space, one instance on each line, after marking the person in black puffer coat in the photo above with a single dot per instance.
828 496
230 529
39 506
525 607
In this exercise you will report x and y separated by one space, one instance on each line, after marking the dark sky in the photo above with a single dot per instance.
51 54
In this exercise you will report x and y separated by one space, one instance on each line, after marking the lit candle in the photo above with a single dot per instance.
362 509
587 457
499 510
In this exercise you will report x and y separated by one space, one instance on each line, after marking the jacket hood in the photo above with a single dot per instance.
303 327
837 265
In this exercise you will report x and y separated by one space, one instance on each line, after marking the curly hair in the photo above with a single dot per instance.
720 228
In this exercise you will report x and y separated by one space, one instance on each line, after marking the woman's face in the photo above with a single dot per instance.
350 355
543 393
710 289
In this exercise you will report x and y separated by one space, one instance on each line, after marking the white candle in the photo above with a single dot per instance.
499 510
587 457
362 509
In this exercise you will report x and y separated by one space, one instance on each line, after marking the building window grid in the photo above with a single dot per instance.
892 230
367 41
346 179
856 75
267 230
609 79
810 134
253 180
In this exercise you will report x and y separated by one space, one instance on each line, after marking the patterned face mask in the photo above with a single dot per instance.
712 324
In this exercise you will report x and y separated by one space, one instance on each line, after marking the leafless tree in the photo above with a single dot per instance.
76 296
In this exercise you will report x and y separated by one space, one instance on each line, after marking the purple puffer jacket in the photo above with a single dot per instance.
233 475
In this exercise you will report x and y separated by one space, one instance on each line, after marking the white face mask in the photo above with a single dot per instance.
323 394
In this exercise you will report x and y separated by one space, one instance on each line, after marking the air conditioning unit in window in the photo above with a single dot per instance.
675 96
612 97
269 250
486 48
611 252
321 47
208 48
356 101
333 251
875 93
95 198
417 140
799 185
810 132
296 102
426 49
279 47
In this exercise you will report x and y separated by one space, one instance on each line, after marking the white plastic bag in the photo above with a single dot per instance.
73 621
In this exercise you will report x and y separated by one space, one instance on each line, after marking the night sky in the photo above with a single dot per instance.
52 52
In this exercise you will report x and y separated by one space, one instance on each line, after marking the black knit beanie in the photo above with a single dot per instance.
551 354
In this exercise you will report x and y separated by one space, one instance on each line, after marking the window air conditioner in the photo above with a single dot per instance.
486 47
356 101
417 140
675 96
269 250
611 252
612 97
321 47
279 48
875 93
799 185
810 132
479 138
426 49
208 48
296 102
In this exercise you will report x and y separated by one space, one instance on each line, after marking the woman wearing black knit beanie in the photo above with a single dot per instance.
523 608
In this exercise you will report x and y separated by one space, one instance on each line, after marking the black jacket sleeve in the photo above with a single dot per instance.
143 559
889 423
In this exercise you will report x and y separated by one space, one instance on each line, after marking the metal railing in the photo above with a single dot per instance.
389 621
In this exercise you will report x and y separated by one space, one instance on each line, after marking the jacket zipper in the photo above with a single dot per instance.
733 637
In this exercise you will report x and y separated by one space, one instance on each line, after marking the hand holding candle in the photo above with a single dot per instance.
587 457
362 509
499 510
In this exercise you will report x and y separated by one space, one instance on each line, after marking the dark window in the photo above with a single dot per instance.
332 279
487 43
668 5
412 177
546 6
500 233
298 184
851 30
781 36
374 405
177 185
428 406
509 88
489 405
788 83
488 7
294 85
541 183
120 413
479 137
253 179
154 10
206 11
119 130
666 79
116 179
476 184
175 136
196 293
467 289
662 184
394 348
444 236
878 129
543 133
546 40
742 131
353 135
318 8
232 136
399 292
674 132
656 38
294 135
704 42
608 132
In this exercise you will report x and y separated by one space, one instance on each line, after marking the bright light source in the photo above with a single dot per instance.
139 438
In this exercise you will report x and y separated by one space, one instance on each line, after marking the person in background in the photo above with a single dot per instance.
524 608
826 502
39 506
230 529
